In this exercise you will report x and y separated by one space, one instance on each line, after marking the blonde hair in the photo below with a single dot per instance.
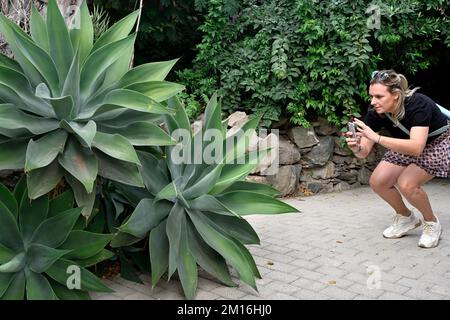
395 82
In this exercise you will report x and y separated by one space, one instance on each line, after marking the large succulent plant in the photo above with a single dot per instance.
72 108
39 248
192 213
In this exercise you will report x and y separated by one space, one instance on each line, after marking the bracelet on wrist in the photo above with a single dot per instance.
379 138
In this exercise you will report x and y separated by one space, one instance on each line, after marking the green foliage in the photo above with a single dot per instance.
72 108
167 30
309 58
192 211
41 250
100 21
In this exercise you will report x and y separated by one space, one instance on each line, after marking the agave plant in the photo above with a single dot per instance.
192 212
72 108
39 248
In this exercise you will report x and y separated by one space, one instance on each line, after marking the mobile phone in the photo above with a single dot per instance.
352 128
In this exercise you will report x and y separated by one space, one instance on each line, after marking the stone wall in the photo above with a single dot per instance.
312 161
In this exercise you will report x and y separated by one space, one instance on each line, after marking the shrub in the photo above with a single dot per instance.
192 212
40 248
306 58
72 108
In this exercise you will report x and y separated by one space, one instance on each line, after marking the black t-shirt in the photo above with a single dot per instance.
420 111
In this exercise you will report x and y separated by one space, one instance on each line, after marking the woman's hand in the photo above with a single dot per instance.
353 142
365 131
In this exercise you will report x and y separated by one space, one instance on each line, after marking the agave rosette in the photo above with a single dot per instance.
192 213
73 108
40 248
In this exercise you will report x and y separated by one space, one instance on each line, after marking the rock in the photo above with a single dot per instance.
281 124
288 152
315 187
328 188
270 163
237 118
342 160
321 153
196 126
341 186
355 185
306 176
340 150
350 175
326 172
305 150
364 176
303 137
286 180
254 142
324 128
256 179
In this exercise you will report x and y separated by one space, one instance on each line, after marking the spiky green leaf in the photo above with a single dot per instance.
31 214
145 217
38 29
7 198
157 90
43 180
40 257
10 236
247 202
154 71
42 152
80 163
60 45
45 234
116 146
84 244
38 287
158 246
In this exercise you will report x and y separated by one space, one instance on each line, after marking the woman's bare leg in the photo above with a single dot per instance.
383 180
410 184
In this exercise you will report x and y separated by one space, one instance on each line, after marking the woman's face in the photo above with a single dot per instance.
381 99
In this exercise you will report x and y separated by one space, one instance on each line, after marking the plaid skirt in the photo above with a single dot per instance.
435 158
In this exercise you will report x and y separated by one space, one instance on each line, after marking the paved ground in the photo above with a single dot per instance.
333 249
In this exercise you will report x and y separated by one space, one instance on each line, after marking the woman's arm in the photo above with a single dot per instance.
412 146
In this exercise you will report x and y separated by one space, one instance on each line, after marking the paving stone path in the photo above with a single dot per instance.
333 249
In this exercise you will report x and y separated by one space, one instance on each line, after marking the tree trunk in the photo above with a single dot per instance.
68 9
19 11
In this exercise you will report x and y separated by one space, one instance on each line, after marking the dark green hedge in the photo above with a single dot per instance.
304 58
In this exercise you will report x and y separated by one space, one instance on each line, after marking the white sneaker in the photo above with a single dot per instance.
401 225
431 233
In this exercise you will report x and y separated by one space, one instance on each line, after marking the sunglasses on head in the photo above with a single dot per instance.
383 76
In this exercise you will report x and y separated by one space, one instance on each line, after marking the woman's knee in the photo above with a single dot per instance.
379 182
407 186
